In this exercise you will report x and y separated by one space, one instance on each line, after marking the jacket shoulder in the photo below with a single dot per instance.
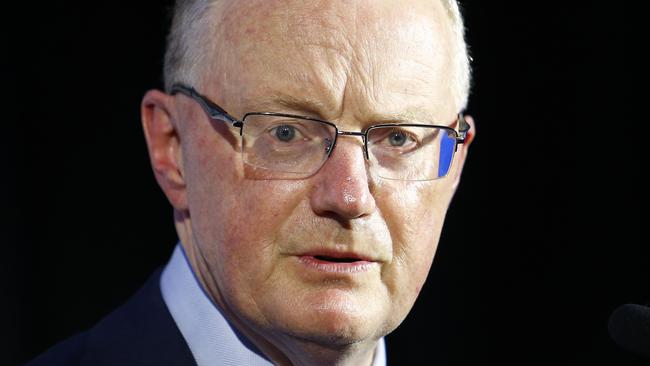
140 332
67 352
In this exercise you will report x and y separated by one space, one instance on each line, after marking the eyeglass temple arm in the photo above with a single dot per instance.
213 110
463 127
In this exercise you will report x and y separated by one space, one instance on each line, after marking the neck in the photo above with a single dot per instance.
281 349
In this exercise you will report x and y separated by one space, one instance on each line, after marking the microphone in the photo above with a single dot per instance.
629 328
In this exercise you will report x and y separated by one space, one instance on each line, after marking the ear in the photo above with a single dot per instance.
157 113
461 153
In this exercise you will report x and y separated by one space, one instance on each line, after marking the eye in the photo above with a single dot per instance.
398 138
284 133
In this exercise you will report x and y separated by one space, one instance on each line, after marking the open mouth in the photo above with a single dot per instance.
347 263
336 260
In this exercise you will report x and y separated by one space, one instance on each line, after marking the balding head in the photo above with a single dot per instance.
191 46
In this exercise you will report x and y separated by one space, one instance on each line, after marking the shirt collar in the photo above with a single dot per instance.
210 337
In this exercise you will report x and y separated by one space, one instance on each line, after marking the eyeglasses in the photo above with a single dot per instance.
288 146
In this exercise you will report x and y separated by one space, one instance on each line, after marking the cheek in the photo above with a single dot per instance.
415 214
247 264
238 226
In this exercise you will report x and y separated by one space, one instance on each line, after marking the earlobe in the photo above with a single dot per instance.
163 143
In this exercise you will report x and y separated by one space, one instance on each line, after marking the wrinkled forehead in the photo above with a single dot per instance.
332 50
335 20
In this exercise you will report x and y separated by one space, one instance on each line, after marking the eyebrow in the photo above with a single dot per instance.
311 106
411 114
316 108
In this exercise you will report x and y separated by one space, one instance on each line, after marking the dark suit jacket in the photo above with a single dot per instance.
140 332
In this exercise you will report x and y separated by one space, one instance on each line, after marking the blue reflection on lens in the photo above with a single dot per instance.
446 153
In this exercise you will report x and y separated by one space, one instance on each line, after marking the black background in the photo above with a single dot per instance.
542 241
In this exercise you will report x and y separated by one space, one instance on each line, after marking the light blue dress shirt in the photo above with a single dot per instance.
210 337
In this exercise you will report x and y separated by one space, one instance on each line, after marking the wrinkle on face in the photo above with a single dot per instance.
350 61
355 65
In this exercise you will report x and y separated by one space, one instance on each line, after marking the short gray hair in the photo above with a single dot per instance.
186 46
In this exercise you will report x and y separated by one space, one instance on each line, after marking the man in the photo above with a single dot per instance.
310 150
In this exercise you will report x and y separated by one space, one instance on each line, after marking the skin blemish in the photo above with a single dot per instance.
348 198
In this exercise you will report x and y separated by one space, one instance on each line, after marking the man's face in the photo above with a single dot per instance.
267 247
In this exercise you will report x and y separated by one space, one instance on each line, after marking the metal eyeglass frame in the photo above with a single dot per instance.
217 113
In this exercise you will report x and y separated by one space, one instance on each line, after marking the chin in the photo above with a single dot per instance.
336 335
337 325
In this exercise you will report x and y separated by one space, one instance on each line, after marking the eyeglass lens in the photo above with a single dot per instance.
293 148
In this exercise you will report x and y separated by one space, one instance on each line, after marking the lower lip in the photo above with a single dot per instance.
335 267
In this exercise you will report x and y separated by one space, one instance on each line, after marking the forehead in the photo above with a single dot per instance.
367 56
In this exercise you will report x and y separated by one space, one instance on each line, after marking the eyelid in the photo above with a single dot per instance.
300 132
274 126
389 130
405 130
295 123
280 120
411 136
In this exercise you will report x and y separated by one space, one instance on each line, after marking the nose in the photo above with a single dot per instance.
342 187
